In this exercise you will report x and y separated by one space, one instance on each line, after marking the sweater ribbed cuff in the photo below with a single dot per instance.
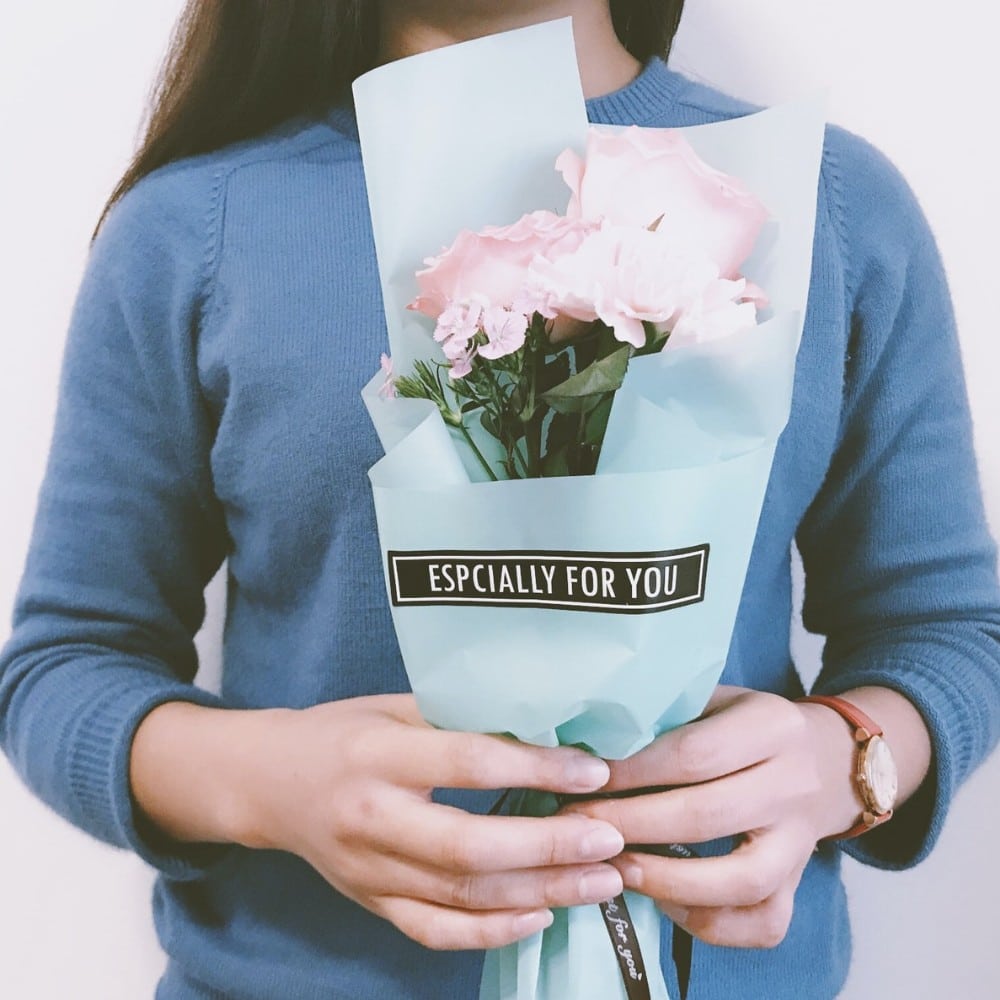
949 714
97 757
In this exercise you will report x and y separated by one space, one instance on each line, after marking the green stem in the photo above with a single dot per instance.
499 398
477 452
524 465
533 428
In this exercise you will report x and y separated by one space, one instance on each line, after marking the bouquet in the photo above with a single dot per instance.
538 320
579 418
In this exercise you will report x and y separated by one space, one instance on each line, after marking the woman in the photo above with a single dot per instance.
209 408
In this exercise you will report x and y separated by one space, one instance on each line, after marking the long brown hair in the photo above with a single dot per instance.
236 68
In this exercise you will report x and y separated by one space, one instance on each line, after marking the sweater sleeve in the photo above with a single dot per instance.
127 531
900 567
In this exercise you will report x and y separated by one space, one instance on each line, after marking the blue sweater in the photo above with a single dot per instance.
209 408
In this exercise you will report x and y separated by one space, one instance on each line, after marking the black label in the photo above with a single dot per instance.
615 582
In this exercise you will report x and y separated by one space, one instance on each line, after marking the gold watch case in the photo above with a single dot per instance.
877 777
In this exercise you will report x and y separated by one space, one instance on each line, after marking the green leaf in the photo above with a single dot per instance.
410 388
656 340
581 392
555 463
597 422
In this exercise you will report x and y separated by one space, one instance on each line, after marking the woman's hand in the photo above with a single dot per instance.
757 765
347 786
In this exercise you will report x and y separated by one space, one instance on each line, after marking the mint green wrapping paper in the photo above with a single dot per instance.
685 462
608 681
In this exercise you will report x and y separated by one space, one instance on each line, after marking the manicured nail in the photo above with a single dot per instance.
532 923
587 774
600 844
598 885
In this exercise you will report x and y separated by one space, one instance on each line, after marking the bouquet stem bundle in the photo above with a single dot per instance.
547 405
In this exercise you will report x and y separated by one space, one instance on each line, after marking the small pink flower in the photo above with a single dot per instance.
505 331
459 321
457 348
640 175
457 325
461 365
387 390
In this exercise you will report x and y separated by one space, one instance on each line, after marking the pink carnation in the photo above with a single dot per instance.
456 326
505 332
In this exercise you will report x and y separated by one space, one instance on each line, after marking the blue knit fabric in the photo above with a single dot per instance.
209 407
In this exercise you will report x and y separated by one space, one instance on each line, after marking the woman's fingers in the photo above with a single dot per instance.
751 874
442 837
347 786
762 926
440 759
741 900
692 814
446 929
739 728
527 889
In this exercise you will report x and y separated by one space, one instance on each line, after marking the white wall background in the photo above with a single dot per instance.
918 80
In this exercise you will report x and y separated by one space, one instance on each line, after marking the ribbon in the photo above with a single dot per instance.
618 921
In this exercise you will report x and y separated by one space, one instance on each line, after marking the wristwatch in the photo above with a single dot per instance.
875 770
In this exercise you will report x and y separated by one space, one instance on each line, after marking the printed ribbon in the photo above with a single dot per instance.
625 942
618 921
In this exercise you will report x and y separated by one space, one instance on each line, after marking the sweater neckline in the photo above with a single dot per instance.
640 101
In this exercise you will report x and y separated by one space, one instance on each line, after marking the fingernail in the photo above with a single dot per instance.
587 774
599 885
532 923
601 844
631 874
678 914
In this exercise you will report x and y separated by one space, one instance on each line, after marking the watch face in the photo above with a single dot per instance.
880 775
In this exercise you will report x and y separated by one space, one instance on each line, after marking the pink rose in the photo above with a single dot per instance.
629 276
490 267
638 176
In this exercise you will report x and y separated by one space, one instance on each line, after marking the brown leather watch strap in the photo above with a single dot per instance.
864 729
851 713
862 826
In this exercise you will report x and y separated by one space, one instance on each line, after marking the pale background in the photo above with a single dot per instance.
918 80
